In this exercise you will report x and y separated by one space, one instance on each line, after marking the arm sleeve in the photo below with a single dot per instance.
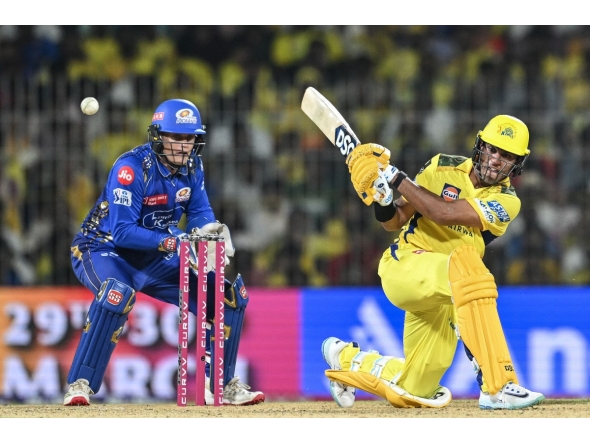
125 195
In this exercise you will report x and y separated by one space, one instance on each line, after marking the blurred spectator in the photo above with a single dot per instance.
414 89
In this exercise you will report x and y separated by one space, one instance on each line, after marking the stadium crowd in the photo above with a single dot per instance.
272 176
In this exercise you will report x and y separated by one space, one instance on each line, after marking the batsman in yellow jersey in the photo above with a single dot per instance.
435 273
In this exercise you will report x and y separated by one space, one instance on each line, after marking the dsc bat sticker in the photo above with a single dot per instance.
329 120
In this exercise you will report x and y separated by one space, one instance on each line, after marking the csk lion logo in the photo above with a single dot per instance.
507 131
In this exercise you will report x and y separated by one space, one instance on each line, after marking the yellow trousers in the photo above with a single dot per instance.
418 283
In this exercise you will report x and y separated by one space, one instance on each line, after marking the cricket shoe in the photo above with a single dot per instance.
78 393
235 393
510 397
343 394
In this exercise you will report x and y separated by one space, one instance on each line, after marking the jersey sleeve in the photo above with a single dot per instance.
125 193
426 174
496 211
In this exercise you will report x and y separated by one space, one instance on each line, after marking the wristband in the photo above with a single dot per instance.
386 213
400 176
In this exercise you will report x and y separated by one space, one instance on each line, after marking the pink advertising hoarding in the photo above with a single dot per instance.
40 327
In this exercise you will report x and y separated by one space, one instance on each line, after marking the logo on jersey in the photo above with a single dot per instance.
159 219
160 199
186 116
487 213
450 192
114 297
125 175
158 116
122 197
183 194
499 210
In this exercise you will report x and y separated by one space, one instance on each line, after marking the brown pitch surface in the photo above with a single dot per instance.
551 408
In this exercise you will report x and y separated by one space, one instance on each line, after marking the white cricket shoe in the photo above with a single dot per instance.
343 394
510 397
78 393
235 393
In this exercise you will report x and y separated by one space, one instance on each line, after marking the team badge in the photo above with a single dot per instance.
507 130
183 194
186 116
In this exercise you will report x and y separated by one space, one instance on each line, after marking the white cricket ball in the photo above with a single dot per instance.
89 106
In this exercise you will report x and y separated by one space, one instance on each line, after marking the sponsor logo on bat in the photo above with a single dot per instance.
344 140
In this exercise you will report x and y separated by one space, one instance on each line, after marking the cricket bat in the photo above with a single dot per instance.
329 120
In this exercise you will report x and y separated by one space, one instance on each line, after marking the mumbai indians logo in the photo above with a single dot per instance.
345 141
183 194
507 131
185 116
450 192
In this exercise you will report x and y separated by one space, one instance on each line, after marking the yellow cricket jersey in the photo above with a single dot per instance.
448 176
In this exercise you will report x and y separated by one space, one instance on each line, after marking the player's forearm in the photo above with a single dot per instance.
134 237
393 218
426 203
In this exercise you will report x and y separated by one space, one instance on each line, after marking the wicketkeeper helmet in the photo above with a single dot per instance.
176 116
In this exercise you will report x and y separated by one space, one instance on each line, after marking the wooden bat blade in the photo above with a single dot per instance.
329 121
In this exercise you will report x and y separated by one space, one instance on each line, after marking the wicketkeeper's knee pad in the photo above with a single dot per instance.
236 299
104 324
474 294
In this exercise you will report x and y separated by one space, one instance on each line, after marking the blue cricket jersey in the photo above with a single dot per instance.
140 200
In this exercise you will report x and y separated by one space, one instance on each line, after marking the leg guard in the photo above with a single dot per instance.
236 299
474 294
373 383
104 324
396 395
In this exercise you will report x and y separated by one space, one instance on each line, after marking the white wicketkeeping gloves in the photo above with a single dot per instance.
220 230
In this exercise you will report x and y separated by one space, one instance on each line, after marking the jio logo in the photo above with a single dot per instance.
125 175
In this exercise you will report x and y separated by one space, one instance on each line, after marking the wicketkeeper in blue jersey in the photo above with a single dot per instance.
128 243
